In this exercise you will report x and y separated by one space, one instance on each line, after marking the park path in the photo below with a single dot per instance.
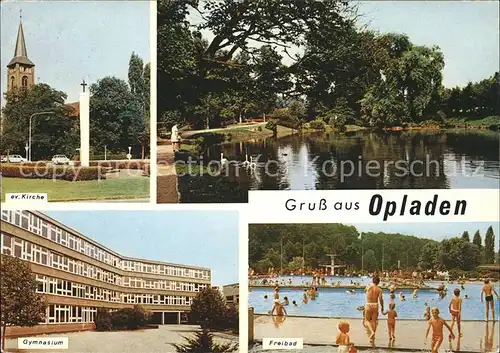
477 335
166 189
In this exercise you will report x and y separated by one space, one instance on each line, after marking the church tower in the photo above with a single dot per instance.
20 70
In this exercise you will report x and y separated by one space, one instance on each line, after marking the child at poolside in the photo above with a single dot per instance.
352 349
391 320
427 313
455 308
343 337
437 324
362 309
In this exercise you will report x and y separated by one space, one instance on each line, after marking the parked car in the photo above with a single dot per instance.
60 159
14 158
3 158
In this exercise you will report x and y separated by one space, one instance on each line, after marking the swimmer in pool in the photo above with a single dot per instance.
285 301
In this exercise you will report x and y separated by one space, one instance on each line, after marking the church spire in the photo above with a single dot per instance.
20 53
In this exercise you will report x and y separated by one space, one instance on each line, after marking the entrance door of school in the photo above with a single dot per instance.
171 318
156 318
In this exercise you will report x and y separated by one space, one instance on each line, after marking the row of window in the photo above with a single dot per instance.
25 250
39 226
50 285
65 314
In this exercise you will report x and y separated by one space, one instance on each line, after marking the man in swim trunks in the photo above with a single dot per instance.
488 292
373 298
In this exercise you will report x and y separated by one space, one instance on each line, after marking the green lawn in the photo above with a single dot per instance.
61 190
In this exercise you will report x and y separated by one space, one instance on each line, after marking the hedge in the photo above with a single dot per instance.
122 319
117 164
69 173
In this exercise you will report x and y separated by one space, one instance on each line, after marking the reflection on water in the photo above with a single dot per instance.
366 160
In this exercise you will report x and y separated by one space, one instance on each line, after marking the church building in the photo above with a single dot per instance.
20 70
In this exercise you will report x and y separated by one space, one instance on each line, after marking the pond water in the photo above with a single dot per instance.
336 302
359 160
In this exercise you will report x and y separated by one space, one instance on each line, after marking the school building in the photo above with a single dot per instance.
77 275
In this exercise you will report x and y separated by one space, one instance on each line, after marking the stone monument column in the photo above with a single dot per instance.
84 126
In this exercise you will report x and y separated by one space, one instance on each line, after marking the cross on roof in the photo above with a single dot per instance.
83 84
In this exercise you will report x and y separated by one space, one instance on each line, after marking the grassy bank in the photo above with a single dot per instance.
60 190
475 123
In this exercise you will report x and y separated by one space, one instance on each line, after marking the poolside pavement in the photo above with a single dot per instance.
478 336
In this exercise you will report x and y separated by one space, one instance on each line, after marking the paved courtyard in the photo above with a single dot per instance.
477 335
145 341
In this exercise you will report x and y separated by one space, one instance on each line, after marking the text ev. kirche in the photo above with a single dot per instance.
403 206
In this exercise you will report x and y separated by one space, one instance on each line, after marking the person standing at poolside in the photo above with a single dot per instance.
373 298
488 292
278 309
455 308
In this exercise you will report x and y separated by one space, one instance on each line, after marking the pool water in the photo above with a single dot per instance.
336 302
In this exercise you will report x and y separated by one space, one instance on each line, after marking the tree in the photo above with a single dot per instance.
51 134
456 253
20 305
139 82
489 246
429 257
477 241
116 117
136 77
203 342
208 308
465 236
296 264
370 261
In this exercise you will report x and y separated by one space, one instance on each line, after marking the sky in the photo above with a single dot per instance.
436 231
466 31
197 238
68 40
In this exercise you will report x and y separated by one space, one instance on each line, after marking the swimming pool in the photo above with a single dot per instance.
335 302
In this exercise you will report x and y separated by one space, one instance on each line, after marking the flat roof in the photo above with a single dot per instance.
122 257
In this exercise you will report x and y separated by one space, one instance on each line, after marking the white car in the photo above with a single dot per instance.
15 158
60 159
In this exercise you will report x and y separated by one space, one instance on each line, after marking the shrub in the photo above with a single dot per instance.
231 319
103 320
129 319
203 342
138 317
317 124
69 173
208 308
